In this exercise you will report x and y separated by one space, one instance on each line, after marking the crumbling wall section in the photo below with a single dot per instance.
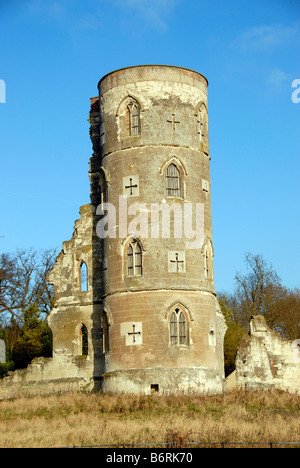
70 369
46 376
266 360
94 173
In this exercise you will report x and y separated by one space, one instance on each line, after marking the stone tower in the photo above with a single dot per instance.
136 309
161 325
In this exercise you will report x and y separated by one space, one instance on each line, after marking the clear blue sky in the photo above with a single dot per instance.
52 55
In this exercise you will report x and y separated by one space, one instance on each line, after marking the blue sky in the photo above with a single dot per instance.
52 55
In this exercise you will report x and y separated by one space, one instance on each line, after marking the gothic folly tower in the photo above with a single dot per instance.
136 309
162 328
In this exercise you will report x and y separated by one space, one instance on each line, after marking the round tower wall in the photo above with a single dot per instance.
158 294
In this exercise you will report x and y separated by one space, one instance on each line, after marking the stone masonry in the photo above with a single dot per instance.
266 360
136 309
153 132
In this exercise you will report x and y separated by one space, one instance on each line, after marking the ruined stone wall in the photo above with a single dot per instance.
45 376
266 360
75 307
147 124
69 368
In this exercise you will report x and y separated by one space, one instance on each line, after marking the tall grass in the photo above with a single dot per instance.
96 419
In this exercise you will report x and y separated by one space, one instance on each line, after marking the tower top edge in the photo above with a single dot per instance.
141 68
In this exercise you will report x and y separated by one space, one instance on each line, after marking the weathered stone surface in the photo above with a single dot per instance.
155 326
168 100
2 352
266 360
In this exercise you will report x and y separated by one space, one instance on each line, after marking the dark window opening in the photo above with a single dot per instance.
84 341
154 388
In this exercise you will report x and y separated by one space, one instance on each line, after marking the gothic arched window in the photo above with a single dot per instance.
83 277
134 259
208 261
133 118
178 327
173 181
84 341
129 117
202 124
105 332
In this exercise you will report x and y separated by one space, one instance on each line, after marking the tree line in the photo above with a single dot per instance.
26 299
258 292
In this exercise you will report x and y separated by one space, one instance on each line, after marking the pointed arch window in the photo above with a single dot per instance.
173 181
202 124
129 117
208 261
134 259
105 332
178 328
133 118
84 341
83 277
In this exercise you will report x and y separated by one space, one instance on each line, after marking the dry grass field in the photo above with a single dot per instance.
95 419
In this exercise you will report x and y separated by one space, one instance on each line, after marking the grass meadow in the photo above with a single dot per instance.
78 419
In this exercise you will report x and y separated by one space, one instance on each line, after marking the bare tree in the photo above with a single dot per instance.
250 291
260 292
284 315
23 282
